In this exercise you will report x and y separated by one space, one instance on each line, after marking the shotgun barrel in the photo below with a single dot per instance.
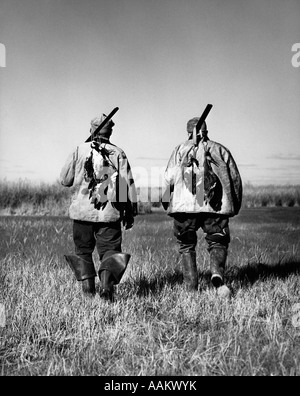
103 123
200 122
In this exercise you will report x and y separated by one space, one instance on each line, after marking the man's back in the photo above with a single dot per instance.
204 178
74 174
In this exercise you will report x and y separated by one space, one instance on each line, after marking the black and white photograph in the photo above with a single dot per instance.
150 190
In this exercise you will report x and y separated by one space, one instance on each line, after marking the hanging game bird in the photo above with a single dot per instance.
212 184
97 170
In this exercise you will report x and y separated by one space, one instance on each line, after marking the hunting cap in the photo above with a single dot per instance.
193 122
97 121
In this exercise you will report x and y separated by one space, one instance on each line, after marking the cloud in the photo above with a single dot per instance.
247 165
151 159
17 170
286 157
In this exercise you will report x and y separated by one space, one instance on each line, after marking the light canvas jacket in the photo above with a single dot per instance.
187 182
72 174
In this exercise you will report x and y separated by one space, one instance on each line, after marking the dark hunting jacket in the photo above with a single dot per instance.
204 178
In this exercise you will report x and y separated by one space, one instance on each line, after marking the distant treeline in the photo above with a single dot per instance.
25 198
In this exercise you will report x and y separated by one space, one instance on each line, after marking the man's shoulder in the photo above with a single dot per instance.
83 147
183 145
217 146
112 148
116 150
187 144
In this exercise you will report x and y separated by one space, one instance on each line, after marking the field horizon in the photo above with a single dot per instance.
25 198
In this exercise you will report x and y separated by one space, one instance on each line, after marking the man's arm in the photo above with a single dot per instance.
127 192
237 186
169 180
67 173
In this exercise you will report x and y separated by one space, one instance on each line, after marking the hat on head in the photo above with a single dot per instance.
97 121
193 122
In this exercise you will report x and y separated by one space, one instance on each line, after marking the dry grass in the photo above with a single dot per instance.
155 327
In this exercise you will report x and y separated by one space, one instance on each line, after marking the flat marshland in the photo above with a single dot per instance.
155 327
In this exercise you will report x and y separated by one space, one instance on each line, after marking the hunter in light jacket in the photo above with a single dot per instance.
118 185
202 178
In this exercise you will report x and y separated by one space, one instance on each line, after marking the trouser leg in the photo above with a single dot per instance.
82 263
185 230
108 239
189 269
109 247
84 239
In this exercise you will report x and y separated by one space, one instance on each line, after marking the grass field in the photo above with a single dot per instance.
155 327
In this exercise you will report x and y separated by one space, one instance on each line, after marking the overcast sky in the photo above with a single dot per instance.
160 62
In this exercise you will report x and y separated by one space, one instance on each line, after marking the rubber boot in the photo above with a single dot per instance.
106 285
84 272
218 258
189 269
88 286
110 273
217 265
